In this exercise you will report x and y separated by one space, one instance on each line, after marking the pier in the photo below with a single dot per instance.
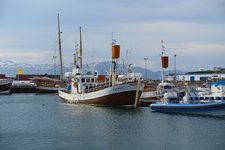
23 90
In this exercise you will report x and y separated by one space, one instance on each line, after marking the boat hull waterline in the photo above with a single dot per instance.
215 108
117 95
47 89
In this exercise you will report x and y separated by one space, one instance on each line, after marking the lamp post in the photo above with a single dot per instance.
146 68
54 57
175 68
75 61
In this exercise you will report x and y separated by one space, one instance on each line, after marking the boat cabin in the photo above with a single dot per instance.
82 78
218 88
165 86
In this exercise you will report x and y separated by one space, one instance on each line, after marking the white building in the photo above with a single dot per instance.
194 77
198 77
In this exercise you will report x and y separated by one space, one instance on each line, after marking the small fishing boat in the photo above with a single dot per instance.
191 103
5 85
152 92
46 85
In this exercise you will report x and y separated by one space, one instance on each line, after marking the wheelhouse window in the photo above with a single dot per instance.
88 80
83 80
78 80
167 87
92 80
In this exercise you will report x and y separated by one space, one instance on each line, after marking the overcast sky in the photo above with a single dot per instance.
192 29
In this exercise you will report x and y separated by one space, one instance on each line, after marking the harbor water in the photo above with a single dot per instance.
43 121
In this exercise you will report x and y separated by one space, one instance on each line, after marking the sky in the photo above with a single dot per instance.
192 30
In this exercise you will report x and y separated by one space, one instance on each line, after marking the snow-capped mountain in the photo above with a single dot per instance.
9 68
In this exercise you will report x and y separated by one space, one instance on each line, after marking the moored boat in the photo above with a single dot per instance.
152 94
5 85
84 88
191 103
215 108
46 85
50 85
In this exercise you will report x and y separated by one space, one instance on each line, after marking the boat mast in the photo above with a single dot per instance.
113 67
60 53
162 68
162 61
80 49
115 56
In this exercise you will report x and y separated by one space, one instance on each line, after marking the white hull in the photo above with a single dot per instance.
47 89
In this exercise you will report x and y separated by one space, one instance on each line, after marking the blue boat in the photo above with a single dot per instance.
215 108
191 103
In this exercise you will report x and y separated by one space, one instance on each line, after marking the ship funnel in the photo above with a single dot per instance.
165 60
115 51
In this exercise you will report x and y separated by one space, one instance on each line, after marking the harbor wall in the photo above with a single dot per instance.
23 90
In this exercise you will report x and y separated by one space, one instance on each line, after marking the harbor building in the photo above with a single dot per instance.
218 73
195 77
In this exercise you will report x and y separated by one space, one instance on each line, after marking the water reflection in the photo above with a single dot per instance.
56 125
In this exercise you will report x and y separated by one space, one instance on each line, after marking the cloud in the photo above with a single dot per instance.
191 29
25 57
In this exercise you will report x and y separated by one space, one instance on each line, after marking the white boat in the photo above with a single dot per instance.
153 93
191 103
84 89
101 94
46 85
217 89
203 90
50 85
5 85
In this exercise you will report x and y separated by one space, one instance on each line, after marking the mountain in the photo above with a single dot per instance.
10 69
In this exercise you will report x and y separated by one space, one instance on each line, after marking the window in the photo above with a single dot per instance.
78 80
83 80
167 87
88 80
92 80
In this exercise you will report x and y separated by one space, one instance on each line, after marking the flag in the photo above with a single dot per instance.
163 46
114 41
19 71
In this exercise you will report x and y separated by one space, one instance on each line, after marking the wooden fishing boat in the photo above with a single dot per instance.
46 85
84 89
50 85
